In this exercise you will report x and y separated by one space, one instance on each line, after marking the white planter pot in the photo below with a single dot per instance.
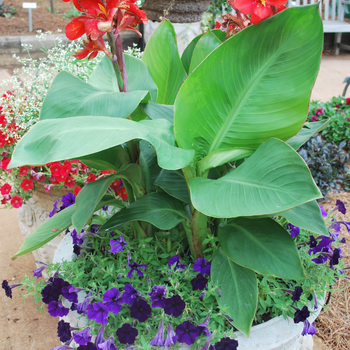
275 334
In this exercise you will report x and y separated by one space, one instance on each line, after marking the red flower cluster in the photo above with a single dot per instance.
258 9
101 18
117 186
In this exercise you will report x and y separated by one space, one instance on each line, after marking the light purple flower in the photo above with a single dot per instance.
293 230
158 340
203 327
70 293
323 211
107 345
117 246
206 343
176 260
82 337
98 312
157 295
38 272
135 267
112 300
340 207
308 328
130 294
202 266
171 336
55 209
55 308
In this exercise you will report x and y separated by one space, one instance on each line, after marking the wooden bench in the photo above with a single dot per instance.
332 13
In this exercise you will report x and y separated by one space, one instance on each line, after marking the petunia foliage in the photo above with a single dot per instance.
203 144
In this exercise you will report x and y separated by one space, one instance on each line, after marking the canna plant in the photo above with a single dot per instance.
205 144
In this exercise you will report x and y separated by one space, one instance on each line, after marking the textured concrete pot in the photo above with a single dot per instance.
34 213
275 334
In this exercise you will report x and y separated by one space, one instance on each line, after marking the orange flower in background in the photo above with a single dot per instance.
258 9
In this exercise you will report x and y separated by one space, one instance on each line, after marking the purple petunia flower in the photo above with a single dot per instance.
176 260
199 282
225 344
297 294
301 315
203 327
8 288
202 266
55 308
64 331
135 267
323 211
105 208
324 246
88 346
174 306
100 335
308 328
68 199
158 340
293 230
334 260
130 294
98 312
315 303
50 293
107 345
55 209
70 293
81 307
206 343
339 205
157 295
112 300
187 333
82 337
117 246
127 334
343 240
171 336
94 228
38 272
62 347
313 242
140 310
76 249
77 239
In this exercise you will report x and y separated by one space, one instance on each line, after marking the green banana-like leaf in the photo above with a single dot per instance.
163 61
88 199
57 139
139 78
261 245
306 132
239 291
274 179
206 44
77 98
187 54
159 209
254 86
174 183
47 231
158 111
307 216
114 158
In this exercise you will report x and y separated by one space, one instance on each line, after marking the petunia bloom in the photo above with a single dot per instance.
158 340
55 308
171 336
176 260
130 294
39 271
199 282
68 199
117 246
226 343
340 207
135 267
98 312
64 331
202 266
8 288
187 333
308 328
112 300
127 334
174 306
323 211
301 315
82 337
157 295
107 345
293 230
203 327
140 310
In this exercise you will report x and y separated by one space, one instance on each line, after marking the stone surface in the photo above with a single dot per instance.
177 11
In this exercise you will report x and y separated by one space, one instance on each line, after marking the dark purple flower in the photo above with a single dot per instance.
77 239
68 199
343 240
39 271
8 288
202 266
76 249
171 336
301 315
82 337
59 283
98 312
158 340
226 343
293 230
70 293
117 246
127 334
130 294
55 308
203 327
94 228
140 310
62 347
107 345
323 211
174 306
50 293
187 333
202 295
324 246
308 328
297 293
315 303
157 295
88 346
105 208
55 209
112 300
339 205
64 331
313 242
176 260
135 267
199 282
334 260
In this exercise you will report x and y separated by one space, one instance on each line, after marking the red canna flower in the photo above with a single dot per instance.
5 189
16 201
27 184
91 48
91 177
23 170
259 9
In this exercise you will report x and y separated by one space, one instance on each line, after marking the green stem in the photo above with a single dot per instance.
168 244
133 151
199 233
114 60
187 227
138 231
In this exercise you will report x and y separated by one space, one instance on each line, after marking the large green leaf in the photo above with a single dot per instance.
159 209
69 96
113 158
274 179
57 139
254 86
307 216
206 44
263 246
239 290
306 132
187 54
47 231
87 200
174 183
163 61
158 111
139 78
